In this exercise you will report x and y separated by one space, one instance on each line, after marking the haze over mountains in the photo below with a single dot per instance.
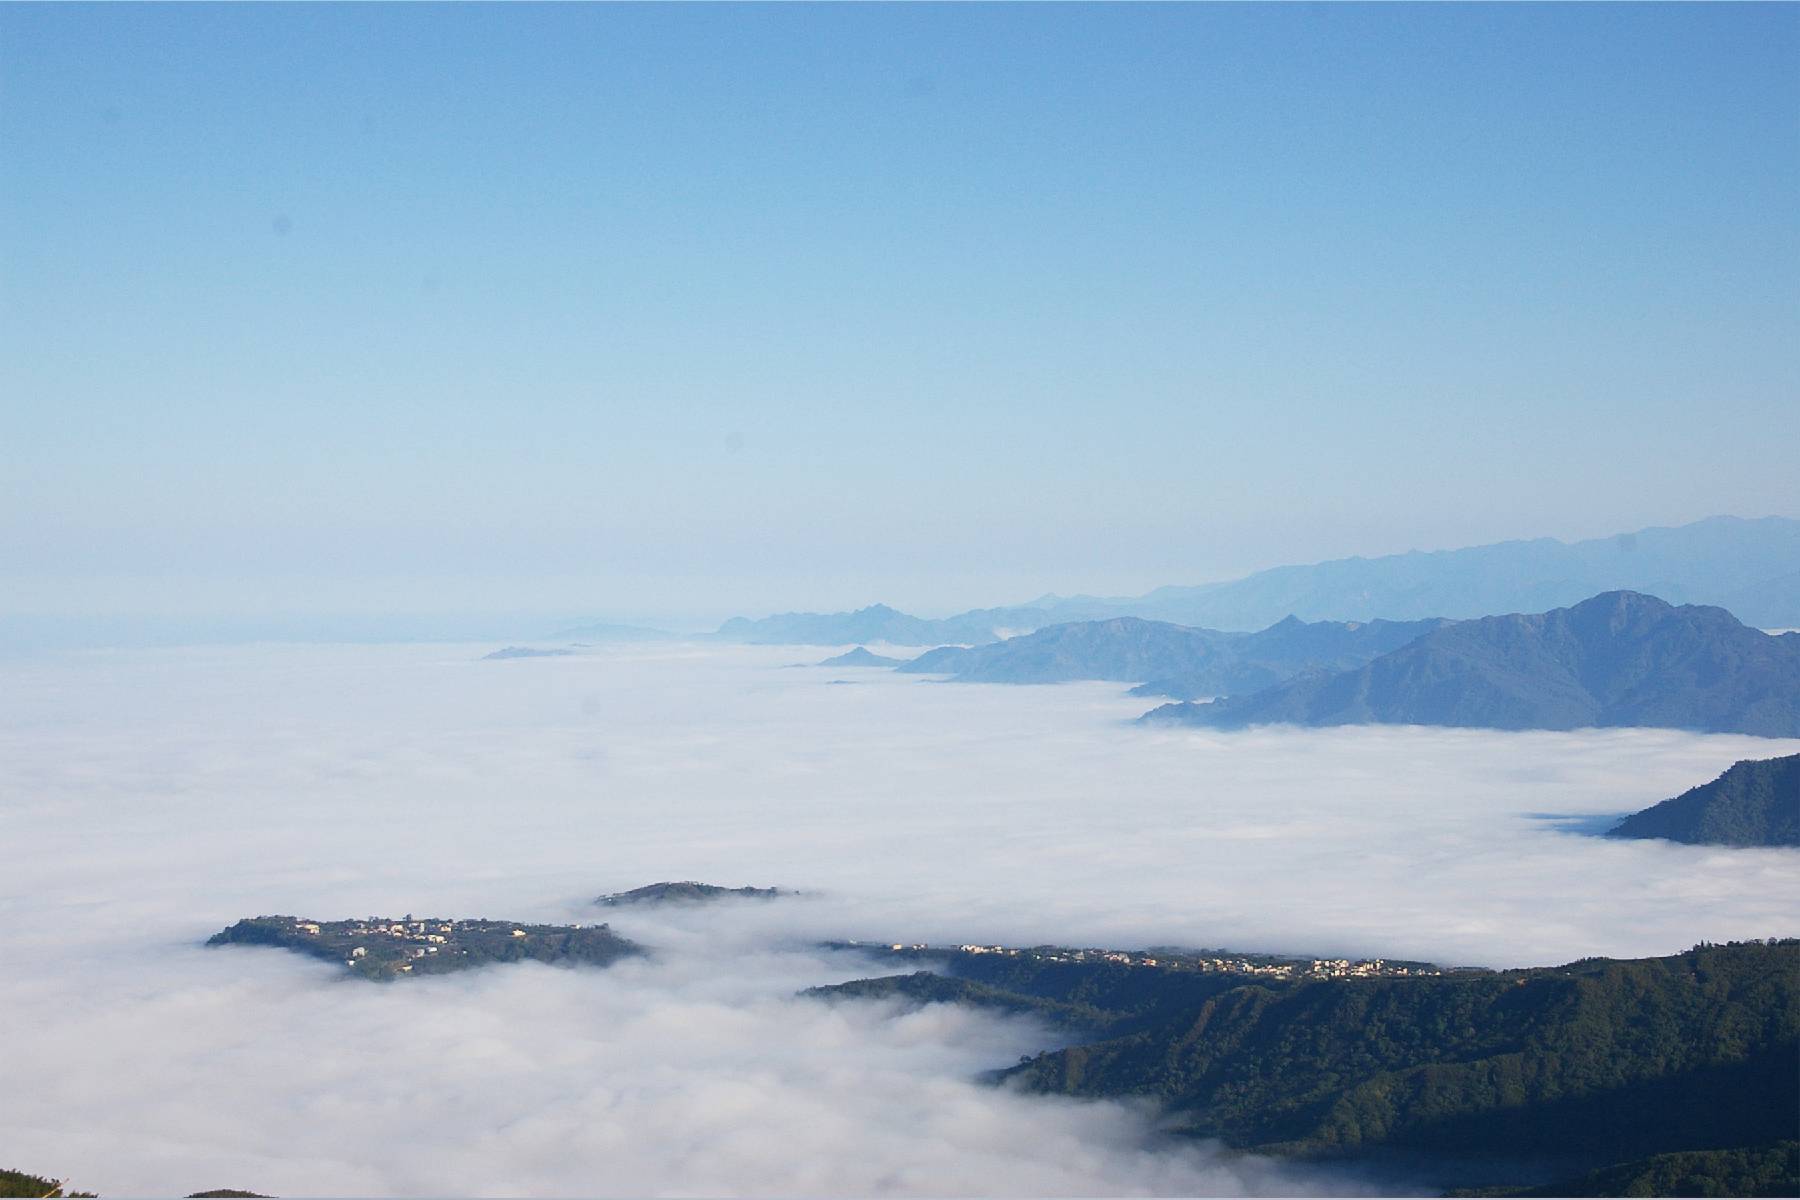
1618 659
861 657
1171 660
876 623
1748 566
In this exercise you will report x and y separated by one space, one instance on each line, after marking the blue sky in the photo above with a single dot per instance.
684 311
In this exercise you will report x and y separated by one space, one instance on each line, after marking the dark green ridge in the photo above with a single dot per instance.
1754 803
18 1183
1496 1079
1772 1170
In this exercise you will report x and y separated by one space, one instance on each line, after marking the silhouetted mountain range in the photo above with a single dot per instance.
525 652
861 657
1754 803
876 623
1750 567
1619 659
1177 660
1745 566
945 660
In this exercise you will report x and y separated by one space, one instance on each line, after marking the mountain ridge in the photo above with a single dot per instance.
1616 659
1168 659
1490 1077
1755 802
1750 566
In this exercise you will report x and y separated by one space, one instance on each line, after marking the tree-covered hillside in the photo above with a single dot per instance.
1513 1076
19 1183
1772 1170
1598 1062
1754 803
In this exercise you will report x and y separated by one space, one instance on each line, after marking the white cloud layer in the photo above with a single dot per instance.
152 798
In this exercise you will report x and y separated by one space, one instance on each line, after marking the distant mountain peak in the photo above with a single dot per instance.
687 891
1748 566
507 652
1618 659
860 657
875 623
1624 600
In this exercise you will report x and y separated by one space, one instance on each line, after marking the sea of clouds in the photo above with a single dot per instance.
150 798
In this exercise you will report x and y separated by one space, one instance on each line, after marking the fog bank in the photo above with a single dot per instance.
151 798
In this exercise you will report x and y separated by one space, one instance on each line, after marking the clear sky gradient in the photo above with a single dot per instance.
683 311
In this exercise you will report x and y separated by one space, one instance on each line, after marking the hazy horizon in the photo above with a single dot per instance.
81 630
684 312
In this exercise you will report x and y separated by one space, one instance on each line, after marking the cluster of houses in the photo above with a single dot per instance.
381 947
418 939
1280 968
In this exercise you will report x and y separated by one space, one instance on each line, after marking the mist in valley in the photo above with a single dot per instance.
153 797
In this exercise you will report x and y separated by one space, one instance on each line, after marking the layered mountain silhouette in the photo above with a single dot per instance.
945 660
1746 566
506 652
1618 659
1177 660
1754 803
1751 567
1287 648
862 656
876 623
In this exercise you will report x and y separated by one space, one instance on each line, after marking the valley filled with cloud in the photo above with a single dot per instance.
153 797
